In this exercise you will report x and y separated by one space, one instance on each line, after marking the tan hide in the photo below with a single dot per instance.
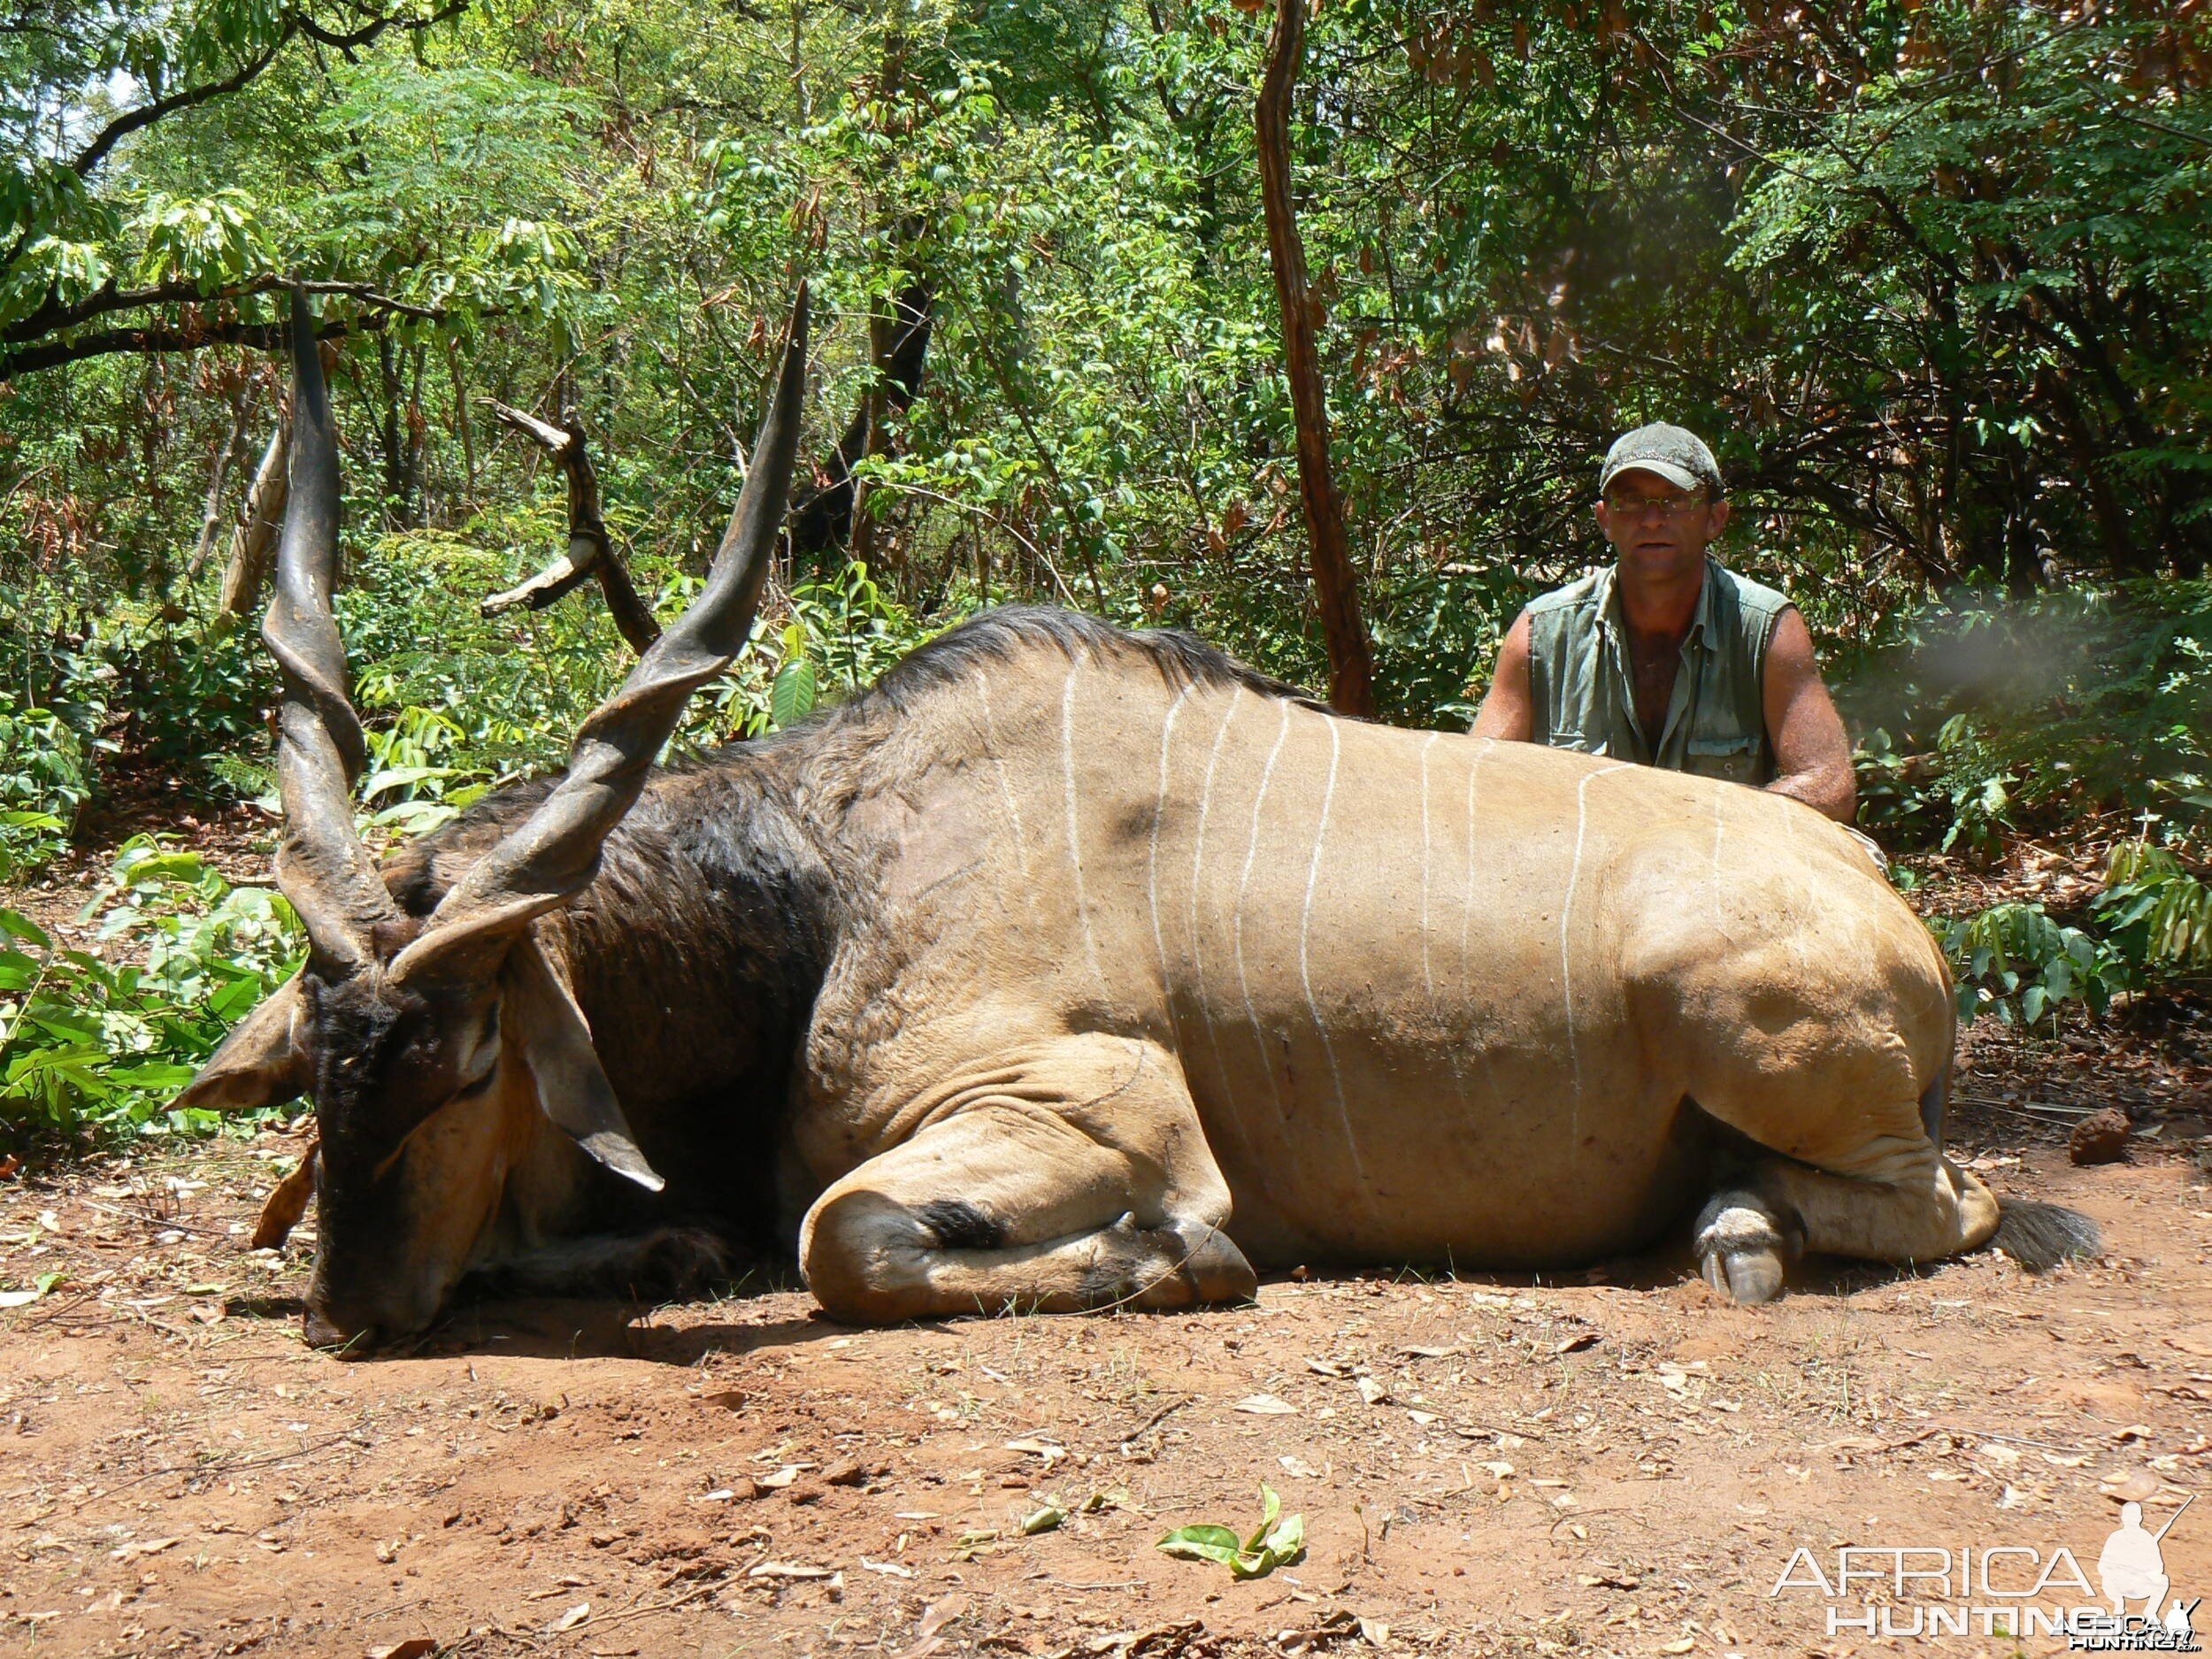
1434 997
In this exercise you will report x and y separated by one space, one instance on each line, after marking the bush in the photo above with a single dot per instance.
2014 961
44 781
87 1047
1982 713
2157 915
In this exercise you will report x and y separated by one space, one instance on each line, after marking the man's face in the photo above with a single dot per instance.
1659 530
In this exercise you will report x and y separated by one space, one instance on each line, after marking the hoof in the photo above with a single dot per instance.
1740 1251
1218 1270
1745 1277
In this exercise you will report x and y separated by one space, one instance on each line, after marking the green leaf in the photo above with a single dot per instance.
791 698
1203 1542
1276 1541
18 925
154 1074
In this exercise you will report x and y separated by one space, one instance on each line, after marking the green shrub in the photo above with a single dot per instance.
91 1046
2157 915
44 781
2014 961
1959 795
1981 713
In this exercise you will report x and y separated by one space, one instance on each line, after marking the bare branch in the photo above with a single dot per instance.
590 550
158 337
49 317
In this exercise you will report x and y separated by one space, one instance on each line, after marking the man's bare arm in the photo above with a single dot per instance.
1506 711
1812 753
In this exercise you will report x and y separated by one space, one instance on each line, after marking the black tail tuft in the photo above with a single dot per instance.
2039 1236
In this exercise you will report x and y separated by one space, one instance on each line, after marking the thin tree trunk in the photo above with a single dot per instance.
212 513
1336 586
463 426
828 518
253 542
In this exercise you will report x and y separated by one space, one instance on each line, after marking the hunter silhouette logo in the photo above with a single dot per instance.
2007 1590
2132 1568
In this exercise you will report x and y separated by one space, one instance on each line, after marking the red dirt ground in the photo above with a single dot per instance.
1613 1464
1623 1466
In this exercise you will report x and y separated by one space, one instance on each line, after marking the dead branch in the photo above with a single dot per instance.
253 541
591 549
212 513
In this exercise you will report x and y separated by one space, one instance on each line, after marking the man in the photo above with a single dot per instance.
1668 658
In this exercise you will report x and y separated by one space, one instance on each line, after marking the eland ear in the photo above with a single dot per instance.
260 1062
573 1088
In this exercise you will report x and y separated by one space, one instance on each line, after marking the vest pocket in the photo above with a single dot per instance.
1735 758
1581 743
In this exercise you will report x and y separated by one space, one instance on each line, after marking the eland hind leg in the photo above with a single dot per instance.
1841 1096
1077 1180
1860 1173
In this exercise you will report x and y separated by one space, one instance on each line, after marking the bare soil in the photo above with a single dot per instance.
1614 1464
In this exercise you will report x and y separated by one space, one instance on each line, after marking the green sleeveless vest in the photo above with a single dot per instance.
1582 692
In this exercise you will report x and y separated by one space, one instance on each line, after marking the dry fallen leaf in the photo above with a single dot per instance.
1266 1406
935 1616
413 1648
287 1204
1371 1390
132 1552
571 1619
2130 1488
790 1570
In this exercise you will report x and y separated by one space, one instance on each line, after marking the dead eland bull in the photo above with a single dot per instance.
1071 967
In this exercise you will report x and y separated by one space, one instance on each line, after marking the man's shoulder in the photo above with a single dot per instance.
1754 597
1587 591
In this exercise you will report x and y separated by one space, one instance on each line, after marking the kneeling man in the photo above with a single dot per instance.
1668 658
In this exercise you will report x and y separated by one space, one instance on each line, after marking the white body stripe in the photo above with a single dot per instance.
1305 972
1152 856
1251 851
1197 938
1006 796
1566 956
1075 844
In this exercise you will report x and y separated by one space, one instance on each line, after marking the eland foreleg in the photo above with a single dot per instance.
1076 1177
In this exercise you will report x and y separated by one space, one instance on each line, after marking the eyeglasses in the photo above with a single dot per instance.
1665 506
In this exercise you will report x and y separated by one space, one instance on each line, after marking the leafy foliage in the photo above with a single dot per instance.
2154 911
1277 1541
2014 961
89 1046
44 780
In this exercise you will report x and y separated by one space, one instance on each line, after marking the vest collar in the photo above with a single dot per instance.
1611 623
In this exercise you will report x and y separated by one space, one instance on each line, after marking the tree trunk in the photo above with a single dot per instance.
253 543
1336 587
823 519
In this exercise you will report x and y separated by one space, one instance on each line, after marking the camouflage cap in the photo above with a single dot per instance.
1675 454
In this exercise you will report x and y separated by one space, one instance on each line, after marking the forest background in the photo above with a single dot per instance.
1930 274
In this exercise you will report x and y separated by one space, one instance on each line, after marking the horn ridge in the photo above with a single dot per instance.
554 851
321 865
